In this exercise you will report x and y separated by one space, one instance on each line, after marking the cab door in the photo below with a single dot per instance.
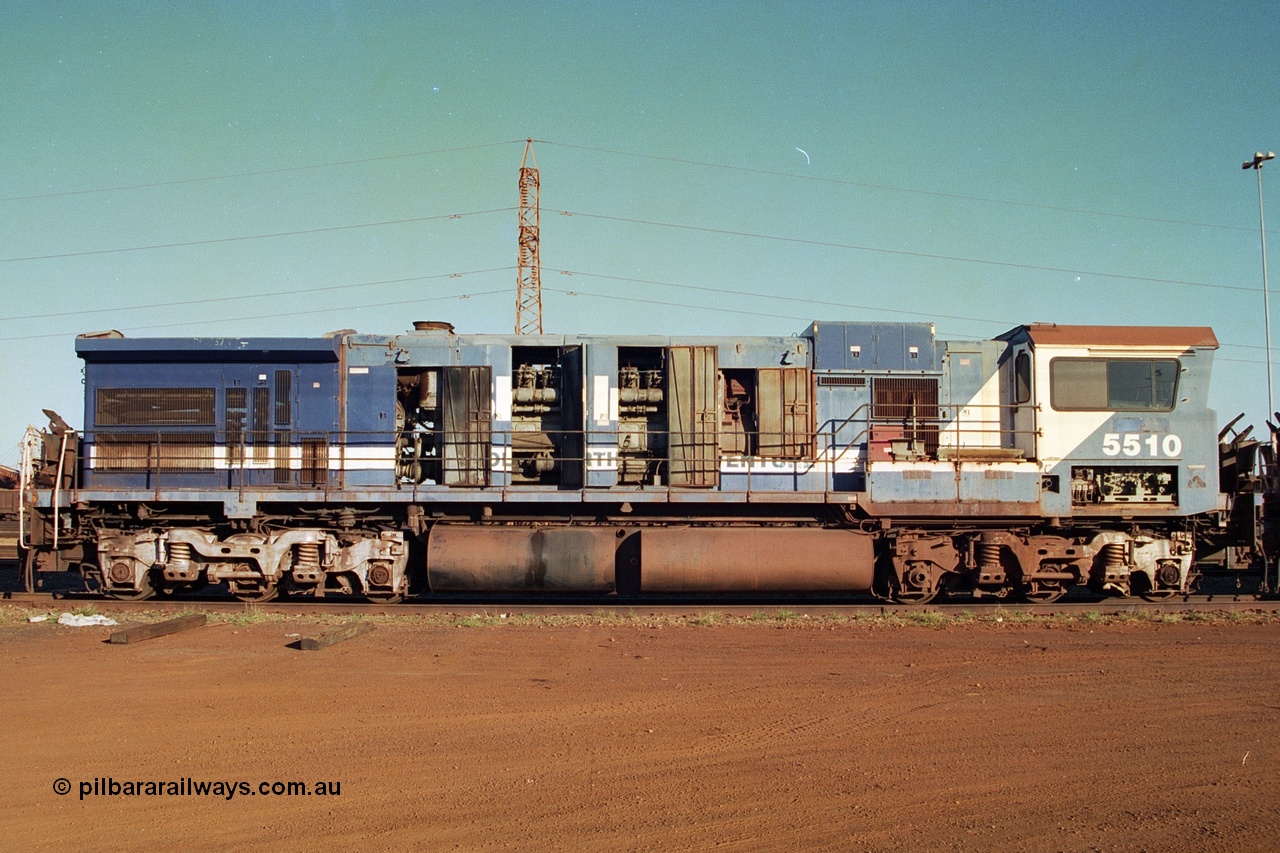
1022 401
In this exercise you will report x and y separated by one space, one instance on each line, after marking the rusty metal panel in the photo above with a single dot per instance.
692 420
785 411
468 425
726 559
508 559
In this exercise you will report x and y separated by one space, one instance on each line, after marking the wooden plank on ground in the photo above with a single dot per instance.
323 641
158 629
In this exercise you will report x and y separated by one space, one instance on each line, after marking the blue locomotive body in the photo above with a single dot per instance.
853 456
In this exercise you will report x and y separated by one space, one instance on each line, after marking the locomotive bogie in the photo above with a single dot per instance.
255 566
1151 566
922 564
1041 567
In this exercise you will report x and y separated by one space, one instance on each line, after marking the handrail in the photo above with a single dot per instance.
57 487
495 457
26 480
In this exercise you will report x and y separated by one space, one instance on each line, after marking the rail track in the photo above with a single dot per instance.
684 606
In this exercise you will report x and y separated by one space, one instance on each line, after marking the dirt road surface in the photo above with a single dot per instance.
644 735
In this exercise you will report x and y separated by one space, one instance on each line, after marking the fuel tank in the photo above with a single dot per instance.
511 559
652 559
727 559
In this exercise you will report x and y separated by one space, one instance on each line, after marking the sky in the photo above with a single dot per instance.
721 168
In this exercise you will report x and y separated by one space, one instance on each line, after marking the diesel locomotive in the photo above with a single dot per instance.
854 457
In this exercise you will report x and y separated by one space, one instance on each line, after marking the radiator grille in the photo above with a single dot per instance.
904 399
912 402
237 411
281 471
315 462
155 406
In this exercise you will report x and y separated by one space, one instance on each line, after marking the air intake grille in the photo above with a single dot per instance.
138 453
284 397
843 381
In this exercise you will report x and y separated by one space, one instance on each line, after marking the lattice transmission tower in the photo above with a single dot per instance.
529 277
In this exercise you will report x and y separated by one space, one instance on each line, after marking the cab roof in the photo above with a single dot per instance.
1168 337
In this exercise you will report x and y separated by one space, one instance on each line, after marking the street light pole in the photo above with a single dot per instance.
1256 164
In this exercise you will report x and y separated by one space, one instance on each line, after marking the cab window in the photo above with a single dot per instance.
1022 379
1113 384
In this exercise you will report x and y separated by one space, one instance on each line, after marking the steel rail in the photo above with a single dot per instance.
685 606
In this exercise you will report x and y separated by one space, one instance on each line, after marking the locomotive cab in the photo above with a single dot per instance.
1118 417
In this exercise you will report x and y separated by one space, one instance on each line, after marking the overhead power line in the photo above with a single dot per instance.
902 252
263 295
796 299
892 188
216 240
256 173
622 153
276 314
719 291
943 333
666 304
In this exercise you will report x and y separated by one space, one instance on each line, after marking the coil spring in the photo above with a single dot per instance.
989 556
307 557
179 552
1112 555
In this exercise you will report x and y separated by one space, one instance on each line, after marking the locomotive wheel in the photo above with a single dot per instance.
1158 594
914 596
177 589
262 593
1041 593
384 597
146 592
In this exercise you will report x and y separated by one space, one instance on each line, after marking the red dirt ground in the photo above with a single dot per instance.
786 736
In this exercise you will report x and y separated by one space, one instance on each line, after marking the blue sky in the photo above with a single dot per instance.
263 168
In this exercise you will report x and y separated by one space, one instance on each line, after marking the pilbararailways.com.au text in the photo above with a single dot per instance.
187 787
